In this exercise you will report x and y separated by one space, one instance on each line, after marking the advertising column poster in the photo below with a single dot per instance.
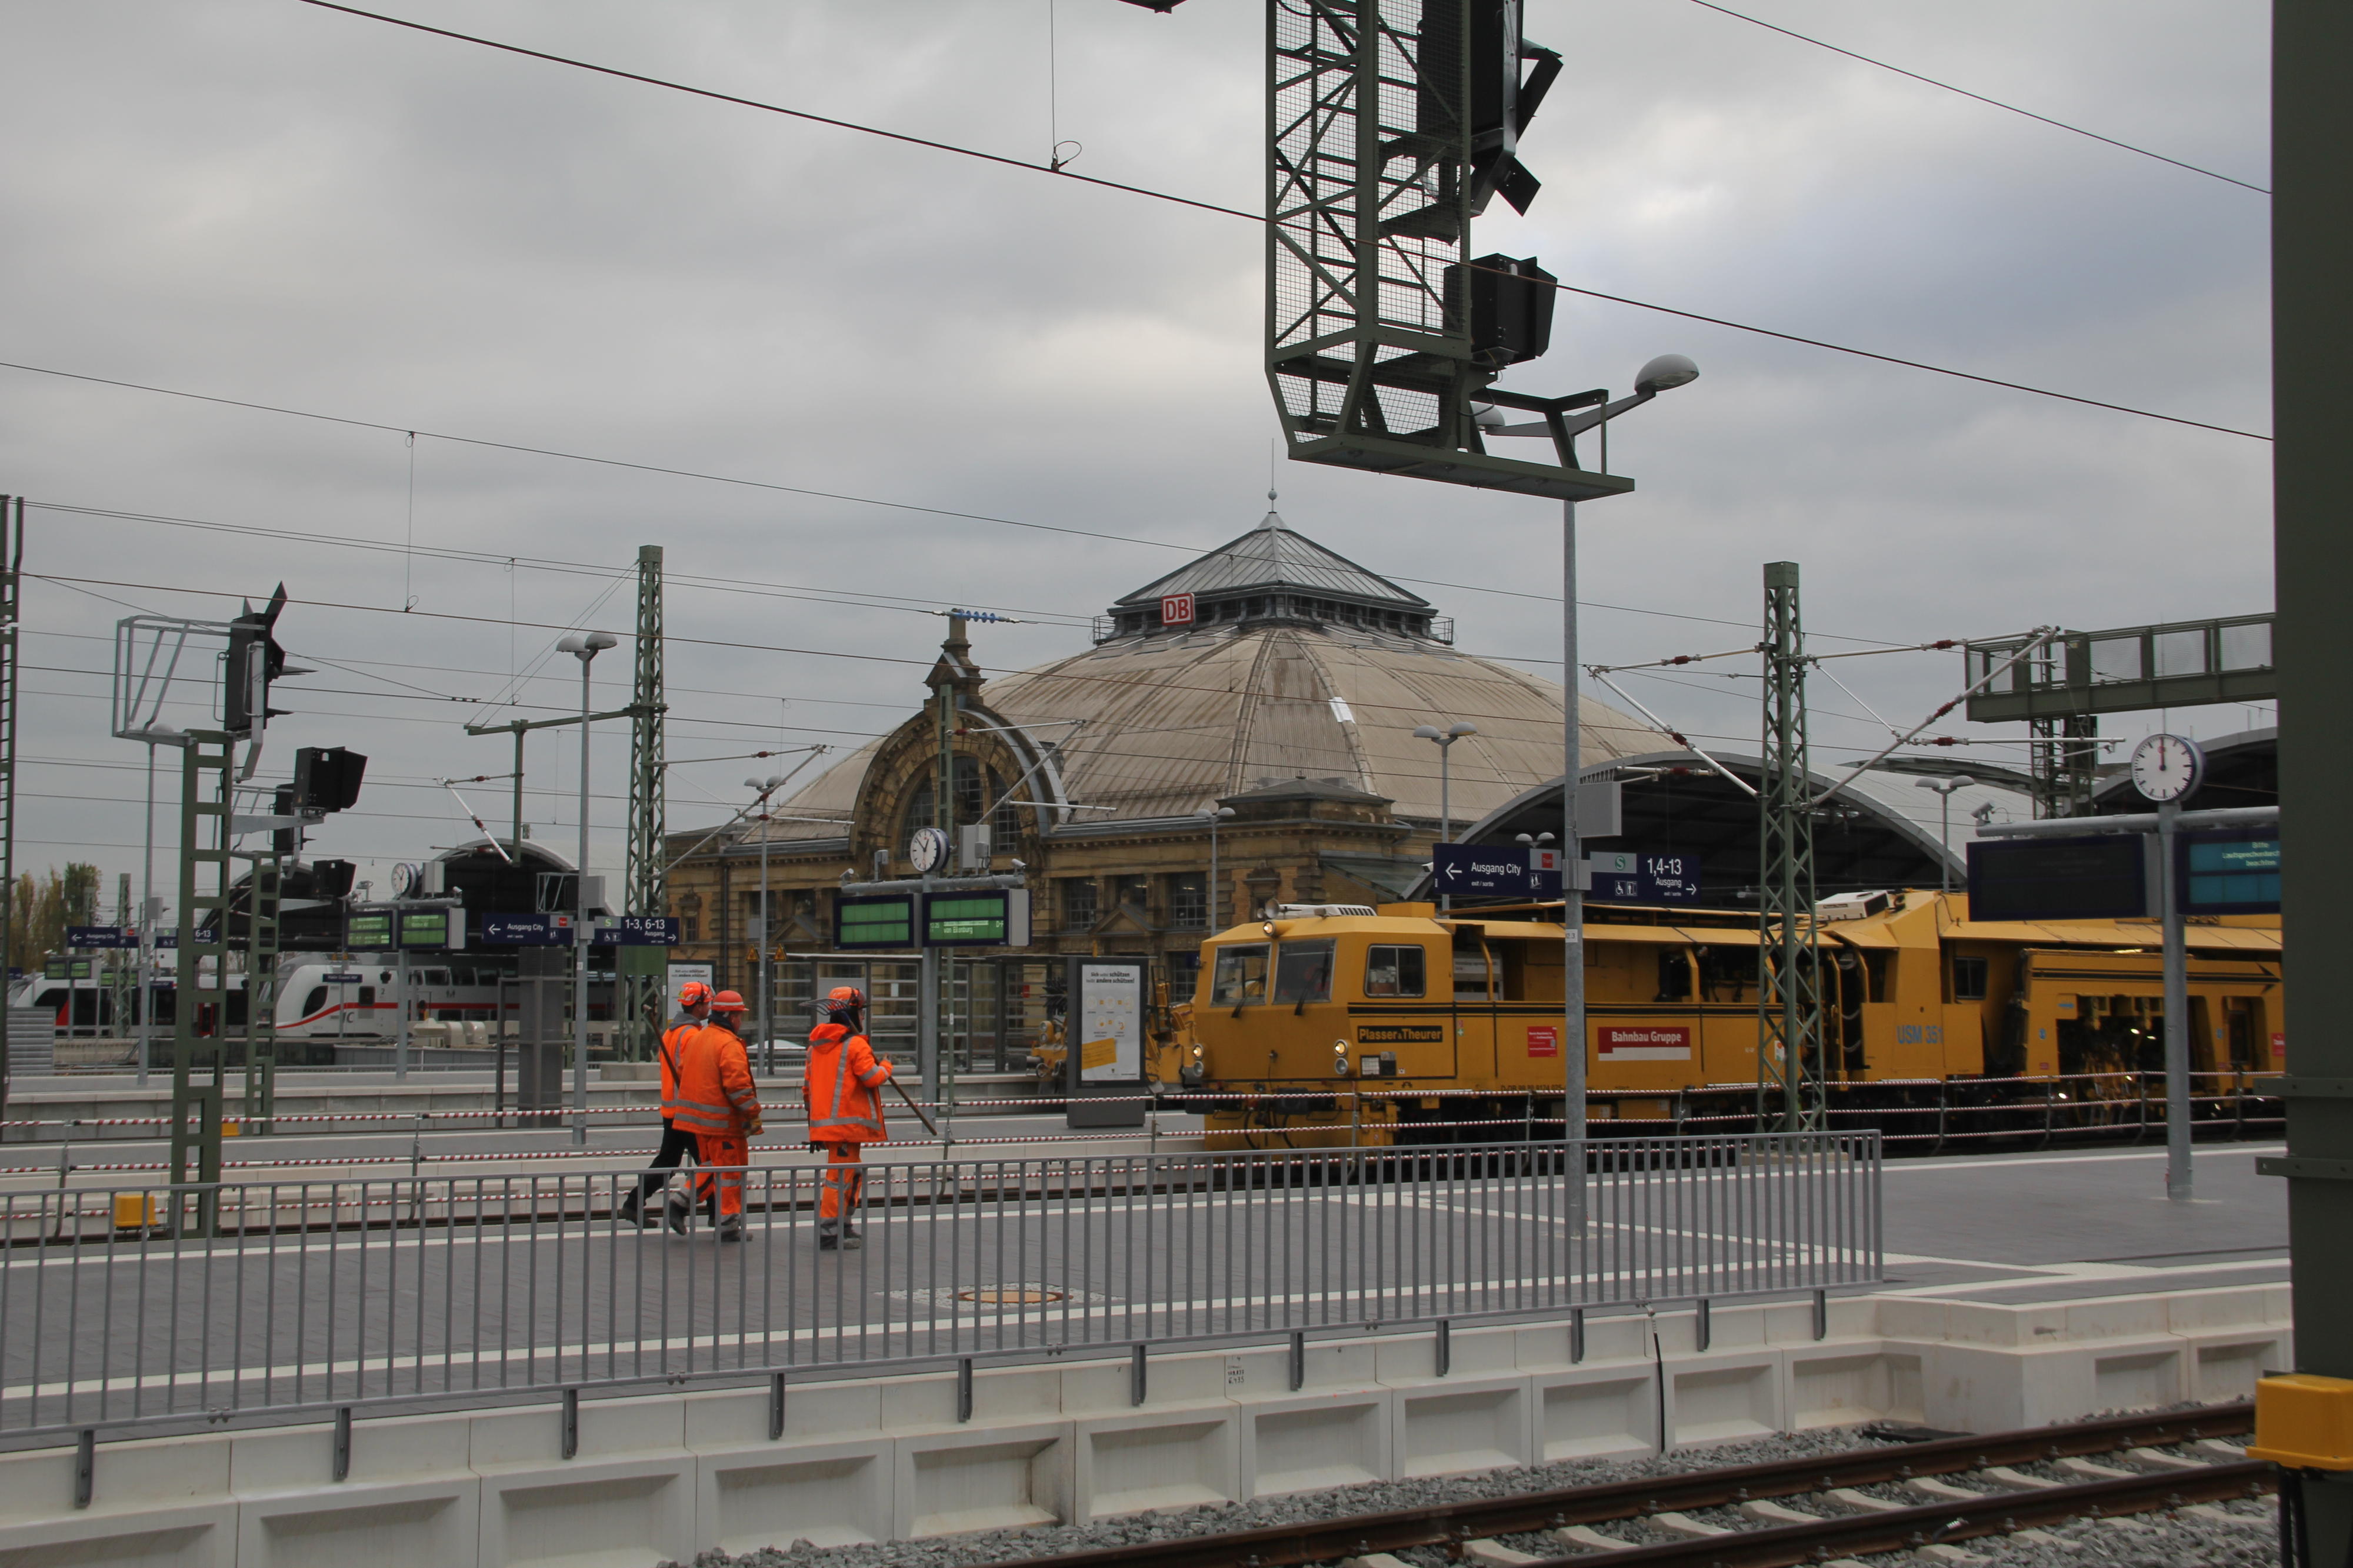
1104 1035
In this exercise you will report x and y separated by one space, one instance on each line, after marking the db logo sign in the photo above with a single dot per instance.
1177 610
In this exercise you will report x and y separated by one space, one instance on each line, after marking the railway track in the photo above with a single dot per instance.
2133 1478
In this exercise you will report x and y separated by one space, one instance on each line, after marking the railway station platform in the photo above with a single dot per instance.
2017 1290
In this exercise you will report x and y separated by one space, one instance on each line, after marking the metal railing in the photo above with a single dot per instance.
337 1295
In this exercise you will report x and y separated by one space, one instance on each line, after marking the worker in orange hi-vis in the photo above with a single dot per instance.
717 1104
677 1142
844 1092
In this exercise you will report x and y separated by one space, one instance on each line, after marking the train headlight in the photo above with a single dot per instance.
1339 1058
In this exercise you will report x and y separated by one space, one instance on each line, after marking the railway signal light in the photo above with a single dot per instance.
327 778
255 660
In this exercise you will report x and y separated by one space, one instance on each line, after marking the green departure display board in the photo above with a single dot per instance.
368 931
988 917
432 928
886 920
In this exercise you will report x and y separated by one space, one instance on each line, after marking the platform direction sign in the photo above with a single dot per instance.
639 931
100 936
1494 871
527 931
1638 879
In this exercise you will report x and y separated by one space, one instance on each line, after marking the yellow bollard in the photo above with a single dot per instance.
133 1211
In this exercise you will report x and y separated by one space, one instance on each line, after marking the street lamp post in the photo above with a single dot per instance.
765 787
583 646
1662 374
1944 829
1216 900
1444 740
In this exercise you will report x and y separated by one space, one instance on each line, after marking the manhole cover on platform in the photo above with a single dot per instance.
1011 1295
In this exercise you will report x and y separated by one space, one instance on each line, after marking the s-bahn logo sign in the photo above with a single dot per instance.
1176 609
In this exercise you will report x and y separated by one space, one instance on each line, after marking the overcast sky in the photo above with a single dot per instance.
264 200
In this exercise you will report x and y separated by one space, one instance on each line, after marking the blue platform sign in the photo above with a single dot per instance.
2229 873
1494 871
527 931
1639 879
639 931
100 936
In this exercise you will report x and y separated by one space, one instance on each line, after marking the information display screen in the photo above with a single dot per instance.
2227 873
987 917
2097 876
885 922
368 931
432 928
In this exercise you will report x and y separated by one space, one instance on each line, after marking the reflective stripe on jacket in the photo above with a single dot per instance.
844 1087
715 1093
672 1051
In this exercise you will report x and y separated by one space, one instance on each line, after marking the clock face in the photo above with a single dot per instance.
2167 767
928 848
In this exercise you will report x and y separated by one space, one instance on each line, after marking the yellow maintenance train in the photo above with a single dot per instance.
1401 1023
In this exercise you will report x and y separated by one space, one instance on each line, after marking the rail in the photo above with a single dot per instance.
308 1297
2135 1480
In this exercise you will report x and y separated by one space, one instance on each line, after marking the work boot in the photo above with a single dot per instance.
630 1210
678 1211
829 1238
732 1228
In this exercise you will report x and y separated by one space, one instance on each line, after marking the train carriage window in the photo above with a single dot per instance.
1674 976
314 1002
1394 972
1968 979
1303 971
1471 974
1240 976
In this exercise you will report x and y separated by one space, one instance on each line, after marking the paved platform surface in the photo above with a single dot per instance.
2063 1226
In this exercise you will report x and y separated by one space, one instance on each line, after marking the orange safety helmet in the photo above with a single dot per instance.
845 996
727 1002
693 993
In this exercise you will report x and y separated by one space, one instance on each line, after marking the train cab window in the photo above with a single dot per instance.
314 1002
1968 979
1674 976
1875 972
1303 971
1394 972
1240 976
1471 974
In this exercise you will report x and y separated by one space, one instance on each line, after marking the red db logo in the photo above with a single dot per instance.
1176 609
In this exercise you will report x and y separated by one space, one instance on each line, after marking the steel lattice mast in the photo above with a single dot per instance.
1788 977
12 562
646 873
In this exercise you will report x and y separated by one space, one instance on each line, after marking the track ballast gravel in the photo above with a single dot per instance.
2158 1540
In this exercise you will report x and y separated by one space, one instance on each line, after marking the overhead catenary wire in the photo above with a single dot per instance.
1058 172
1981 97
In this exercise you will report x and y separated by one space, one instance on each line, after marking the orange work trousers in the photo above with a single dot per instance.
843 1181
722 1149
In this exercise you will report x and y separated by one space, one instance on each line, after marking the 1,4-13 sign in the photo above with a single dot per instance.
1638 879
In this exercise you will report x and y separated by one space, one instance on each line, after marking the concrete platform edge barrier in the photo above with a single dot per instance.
662 1477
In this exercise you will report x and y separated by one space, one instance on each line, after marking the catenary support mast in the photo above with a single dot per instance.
1789 979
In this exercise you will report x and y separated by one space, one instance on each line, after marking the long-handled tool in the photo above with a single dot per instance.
918 1110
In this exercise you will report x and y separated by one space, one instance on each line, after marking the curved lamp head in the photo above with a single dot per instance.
586 646
765 785
1665 373
1446 737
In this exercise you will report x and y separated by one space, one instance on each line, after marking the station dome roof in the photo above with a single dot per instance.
1298 664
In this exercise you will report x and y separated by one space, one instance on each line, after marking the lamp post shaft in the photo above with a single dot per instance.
1572 900
580 937
767 1039
147 926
